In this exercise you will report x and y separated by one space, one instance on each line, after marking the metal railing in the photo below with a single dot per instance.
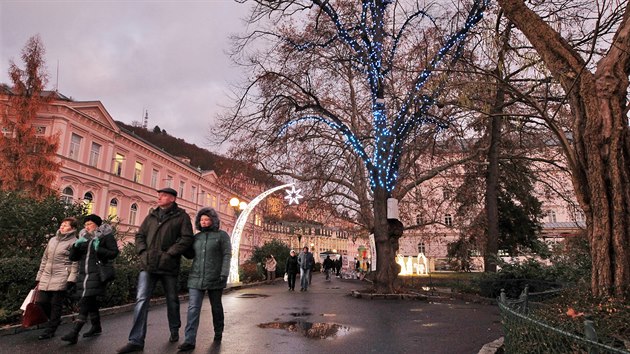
525 334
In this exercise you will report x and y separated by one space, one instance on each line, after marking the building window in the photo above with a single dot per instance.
419 219
113 208
551 216
67 195
75 145
118 164
448 220
169 181
193 192
422 248
446 194
40 130
137 173
95 152
182 185
7 132
88 200
154 178
214 202
133 211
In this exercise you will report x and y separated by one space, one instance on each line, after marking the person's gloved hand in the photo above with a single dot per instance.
81 240
96 242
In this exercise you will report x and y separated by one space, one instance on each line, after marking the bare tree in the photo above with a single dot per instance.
593 74
351 82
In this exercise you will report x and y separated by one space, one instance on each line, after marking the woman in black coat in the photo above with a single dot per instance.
292 269
95 248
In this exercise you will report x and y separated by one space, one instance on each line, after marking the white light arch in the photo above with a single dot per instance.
240 226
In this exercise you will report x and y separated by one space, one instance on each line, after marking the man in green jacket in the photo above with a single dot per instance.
165 234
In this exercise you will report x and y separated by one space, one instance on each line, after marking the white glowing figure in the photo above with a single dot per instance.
409 268
401 260
240 226
293 195
423 266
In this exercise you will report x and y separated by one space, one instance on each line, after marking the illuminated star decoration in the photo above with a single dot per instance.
293 195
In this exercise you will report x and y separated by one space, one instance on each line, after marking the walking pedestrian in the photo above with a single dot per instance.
95 247
328 265
270 266
292 269
306 263
161 240
338 265
57 275
212 253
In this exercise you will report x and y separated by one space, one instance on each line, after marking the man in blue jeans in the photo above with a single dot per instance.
306 263
165 234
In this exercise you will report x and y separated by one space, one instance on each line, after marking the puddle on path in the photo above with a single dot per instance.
251 296
310 329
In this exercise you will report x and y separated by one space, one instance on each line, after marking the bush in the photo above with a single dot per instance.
26 224
250 272
17 277
278 249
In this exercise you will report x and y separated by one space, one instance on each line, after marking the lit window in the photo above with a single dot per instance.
422 248
448 220
67 195
214 201
118 164
137 173
95 152
113 208
182 185
133 211
154 178
88 200
75 145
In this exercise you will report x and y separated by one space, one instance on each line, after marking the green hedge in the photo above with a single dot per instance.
17 277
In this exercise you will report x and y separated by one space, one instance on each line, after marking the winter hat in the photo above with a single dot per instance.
93 218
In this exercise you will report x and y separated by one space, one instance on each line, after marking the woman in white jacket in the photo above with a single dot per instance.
56 274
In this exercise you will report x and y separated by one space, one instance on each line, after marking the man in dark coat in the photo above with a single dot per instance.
165 234
306 263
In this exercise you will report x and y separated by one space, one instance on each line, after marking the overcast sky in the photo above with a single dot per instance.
168 57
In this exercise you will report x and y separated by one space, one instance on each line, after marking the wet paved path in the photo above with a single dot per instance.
294 322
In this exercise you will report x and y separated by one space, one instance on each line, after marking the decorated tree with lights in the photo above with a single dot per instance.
381 102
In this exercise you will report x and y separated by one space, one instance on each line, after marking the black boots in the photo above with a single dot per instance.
73 336
95 330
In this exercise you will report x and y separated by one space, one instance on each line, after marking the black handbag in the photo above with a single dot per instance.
106 271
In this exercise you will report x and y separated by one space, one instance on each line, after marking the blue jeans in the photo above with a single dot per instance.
304 275
146 285
195 301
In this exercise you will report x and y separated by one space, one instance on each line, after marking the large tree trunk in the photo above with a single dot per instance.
386 245
598 156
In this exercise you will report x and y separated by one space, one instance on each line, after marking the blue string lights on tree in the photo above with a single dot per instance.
367 48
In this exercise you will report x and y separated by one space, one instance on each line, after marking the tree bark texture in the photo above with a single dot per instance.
599 154
386 245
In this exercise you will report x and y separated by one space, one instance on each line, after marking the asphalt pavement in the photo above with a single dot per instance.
267 318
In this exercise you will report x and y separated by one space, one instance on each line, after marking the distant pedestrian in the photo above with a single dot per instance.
357 266
338 263
96 246
163 237
306 263
328 266
292 268
270 266
209 272
57 275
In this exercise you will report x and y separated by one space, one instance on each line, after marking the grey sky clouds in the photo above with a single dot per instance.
164 56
